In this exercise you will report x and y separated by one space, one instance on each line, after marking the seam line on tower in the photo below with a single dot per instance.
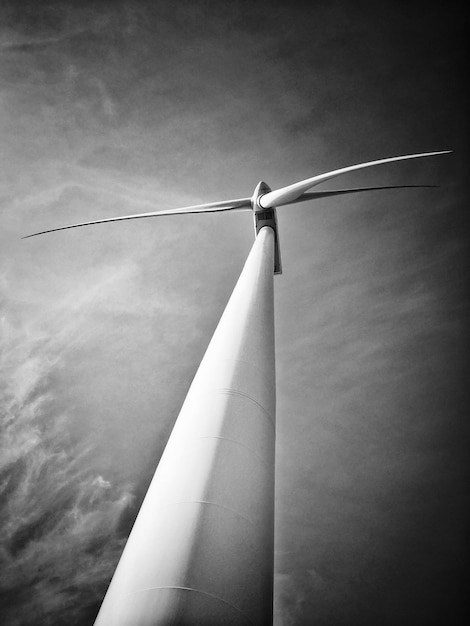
235 392
206 593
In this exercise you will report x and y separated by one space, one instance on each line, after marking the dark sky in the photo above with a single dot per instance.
120 107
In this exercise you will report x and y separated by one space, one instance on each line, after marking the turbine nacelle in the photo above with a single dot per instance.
266 217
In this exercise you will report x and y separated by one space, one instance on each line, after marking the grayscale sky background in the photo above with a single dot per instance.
110 108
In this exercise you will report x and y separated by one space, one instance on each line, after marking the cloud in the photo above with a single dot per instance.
12 41
60 528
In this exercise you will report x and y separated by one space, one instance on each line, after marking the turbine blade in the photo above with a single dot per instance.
288 194
315 195
241 204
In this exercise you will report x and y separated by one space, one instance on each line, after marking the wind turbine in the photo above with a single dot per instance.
202 547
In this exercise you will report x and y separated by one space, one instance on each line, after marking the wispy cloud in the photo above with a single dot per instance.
59 531
13 41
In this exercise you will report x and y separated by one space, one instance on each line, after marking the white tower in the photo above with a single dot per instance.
201 550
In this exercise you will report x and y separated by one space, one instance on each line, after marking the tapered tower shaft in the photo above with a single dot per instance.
201 549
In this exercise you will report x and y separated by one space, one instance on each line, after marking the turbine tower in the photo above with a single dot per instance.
201 549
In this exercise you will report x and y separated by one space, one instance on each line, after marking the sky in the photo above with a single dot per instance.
118 107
